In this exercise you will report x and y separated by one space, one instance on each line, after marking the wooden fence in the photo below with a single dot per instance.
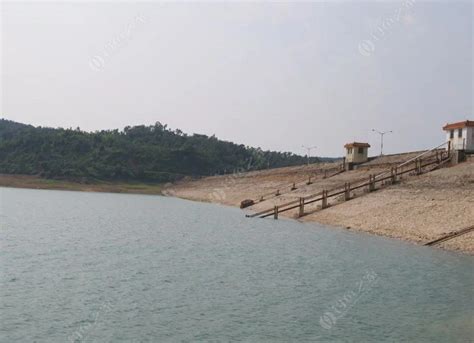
450 235
433 157
325 173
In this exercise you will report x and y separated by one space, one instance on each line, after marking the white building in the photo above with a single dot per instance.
461 135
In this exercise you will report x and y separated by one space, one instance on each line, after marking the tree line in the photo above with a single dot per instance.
152 153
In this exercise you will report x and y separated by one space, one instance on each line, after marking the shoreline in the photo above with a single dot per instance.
446 246
385 212
418 209
35 182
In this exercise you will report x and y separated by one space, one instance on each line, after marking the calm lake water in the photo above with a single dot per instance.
109 267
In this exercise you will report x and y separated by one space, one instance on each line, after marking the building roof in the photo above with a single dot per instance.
357 145
459 125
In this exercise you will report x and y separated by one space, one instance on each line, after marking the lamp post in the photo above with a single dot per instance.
381 133
309 150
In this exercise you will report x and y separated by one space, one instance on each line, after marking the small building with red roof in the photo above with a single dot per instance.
461 135
357 152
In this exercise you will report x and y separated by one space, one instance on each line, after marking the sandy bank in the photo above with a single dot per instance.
34 182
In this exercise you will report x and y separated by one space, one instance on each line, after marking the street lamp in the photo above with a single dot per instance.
381 138
309 150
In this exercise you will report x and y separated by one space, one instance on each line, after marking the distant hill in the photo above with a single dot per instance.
147 153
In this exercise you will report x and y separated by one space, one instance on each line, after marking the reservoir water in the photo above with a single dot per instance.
98 267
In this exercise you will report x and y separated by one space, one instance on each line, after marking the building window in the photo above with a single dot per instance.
459 133
451 134
349 151
361 150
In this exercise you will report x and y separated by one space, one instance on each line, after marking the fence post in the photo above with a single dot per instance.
371 183
324 203
261 198
394 175
449 148
293 187
309 181
275 212
277 193
325 173
347 193
301 212
418 166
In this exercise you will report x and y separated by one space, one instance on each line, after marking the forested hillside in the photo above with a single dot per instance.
147 153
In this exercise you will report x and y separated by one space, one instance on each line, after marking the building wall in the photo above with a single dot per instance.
349 155
465 142
355 157
470 138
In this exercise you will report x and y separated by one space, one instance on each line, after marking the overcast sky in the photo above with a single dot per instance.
274 75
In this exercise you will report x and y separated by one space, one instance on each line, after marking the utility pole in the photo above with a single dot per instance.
309 148
381 133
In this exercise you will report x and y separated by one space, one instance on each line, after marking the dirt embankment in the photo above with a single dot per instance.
418 209
35 182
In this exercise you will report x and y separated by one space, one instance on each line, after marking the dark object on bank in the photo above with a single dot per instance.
246 203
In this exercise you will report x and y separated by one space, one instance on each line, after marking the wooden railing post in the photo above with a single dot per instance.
347 191
324 203
309 181
394 175
293 187
418 166
325 173
301 209
449 148
371 183
277 193
275 212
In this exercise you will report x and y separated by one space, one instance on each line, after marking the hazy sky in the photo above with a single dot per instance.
274 75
